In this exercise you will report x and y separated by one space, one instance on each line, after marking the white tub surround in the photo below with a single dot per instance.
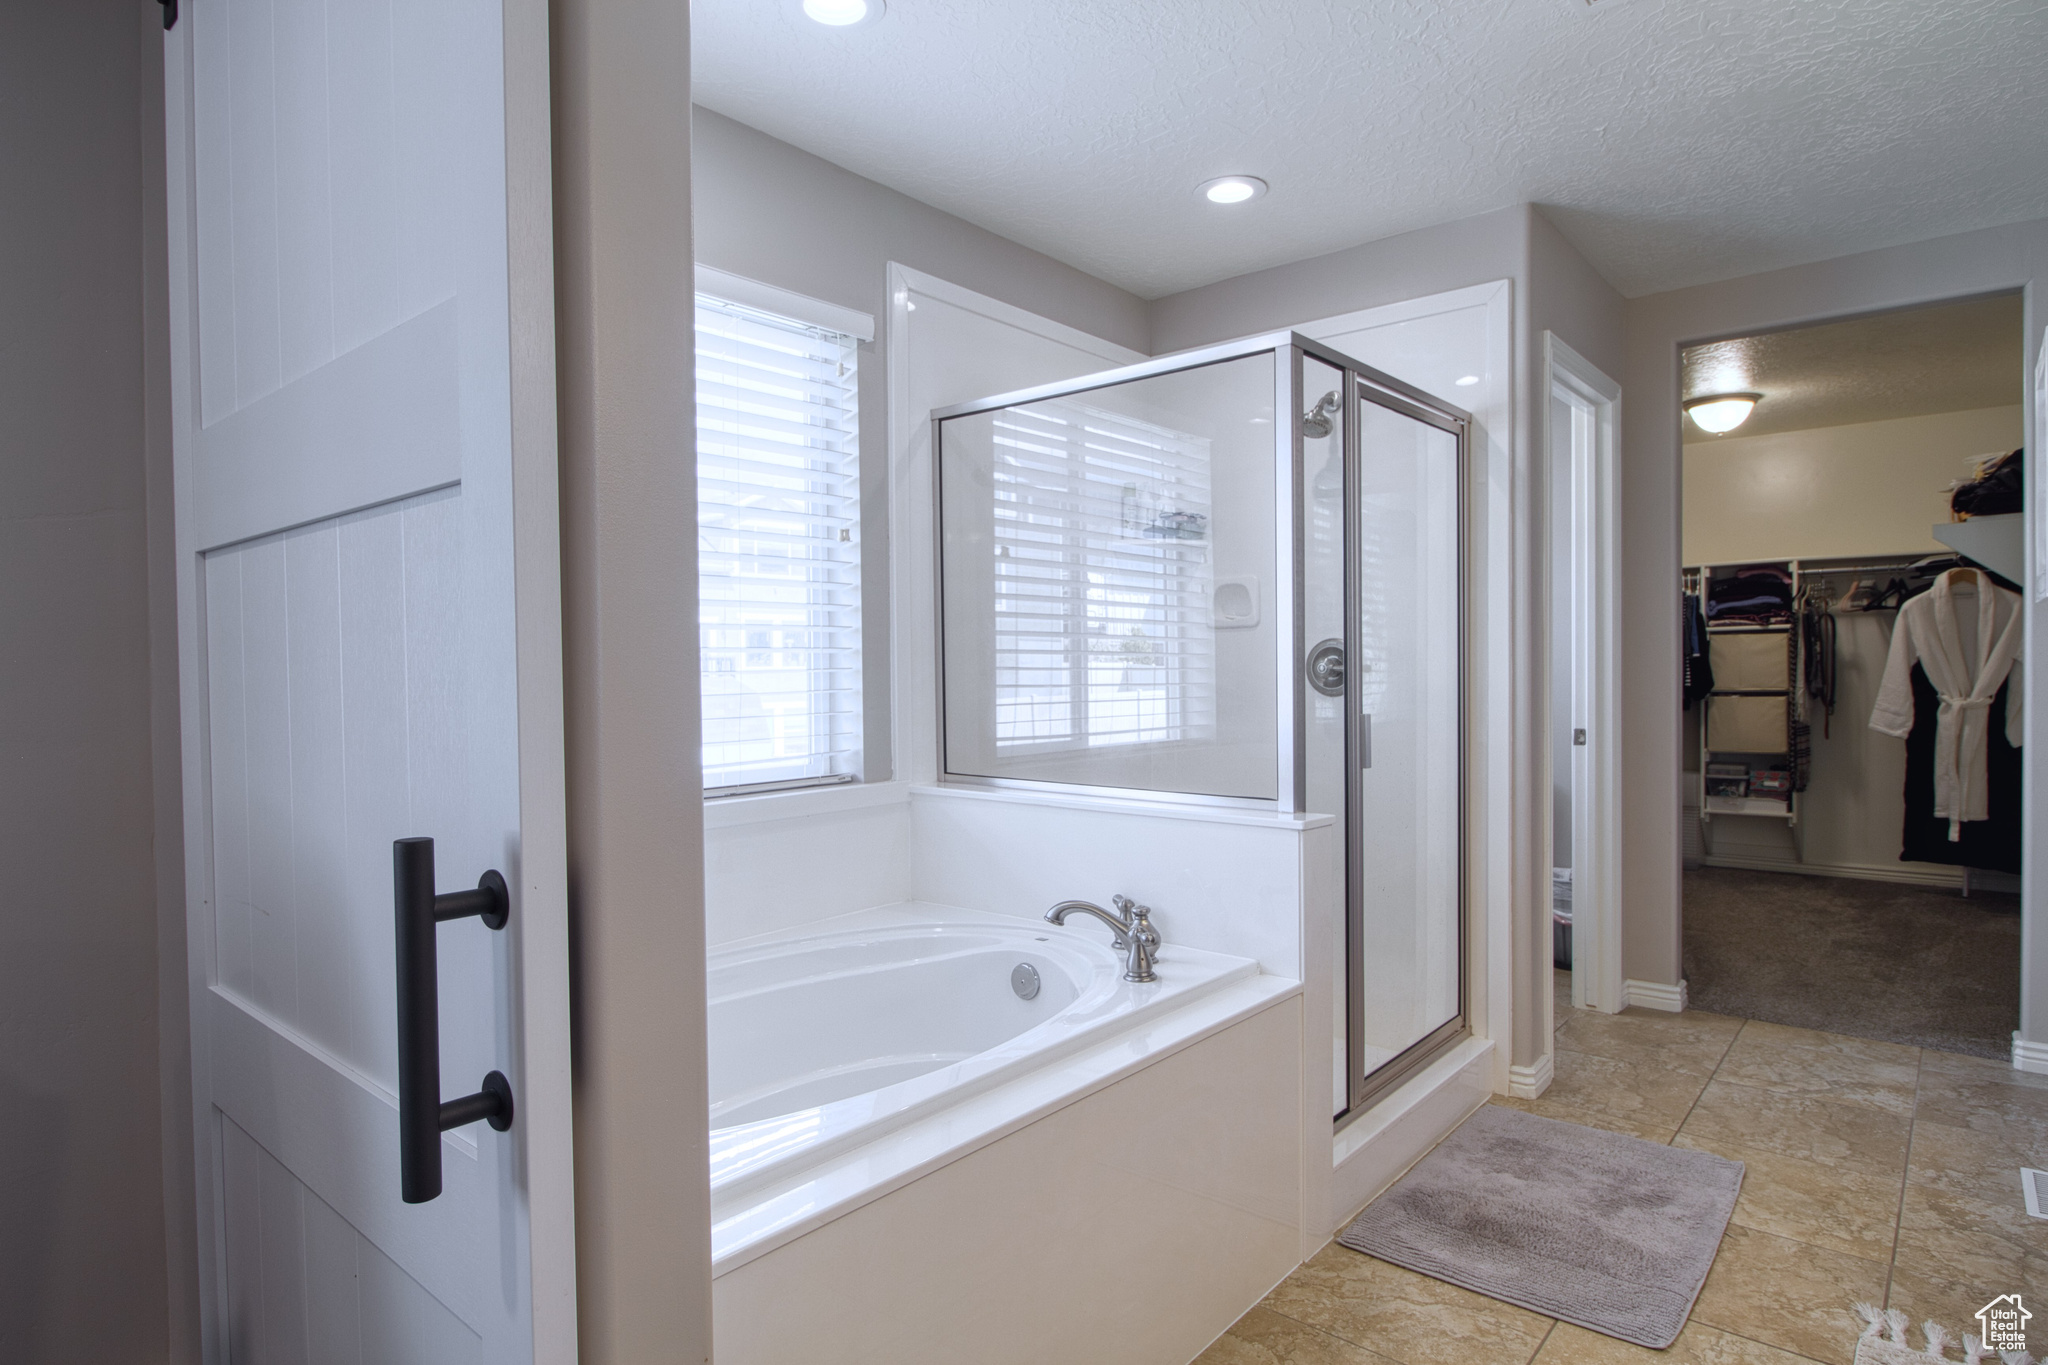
778 860
1229 879
862 1053
1132 1210
1232 880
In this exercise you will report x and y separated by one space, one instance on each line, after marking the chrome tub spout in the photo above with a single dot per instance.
1132 925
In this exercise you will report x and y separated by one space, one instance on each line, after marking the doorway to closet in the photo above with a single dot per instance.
1852 627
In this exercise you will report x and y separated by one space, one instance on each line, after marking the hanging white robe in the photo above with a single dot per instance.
1965 657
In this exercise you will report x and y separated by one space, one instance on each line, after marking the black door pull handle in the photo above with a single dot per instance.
422 1114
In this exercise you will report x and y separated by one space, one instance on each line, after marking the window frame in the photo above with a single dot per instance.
777 305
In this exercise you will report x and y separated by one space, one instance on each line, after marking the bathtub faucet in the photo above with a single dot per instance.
1132 925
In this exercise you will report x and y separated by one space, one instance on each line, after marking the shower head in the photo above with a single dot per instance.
1316 423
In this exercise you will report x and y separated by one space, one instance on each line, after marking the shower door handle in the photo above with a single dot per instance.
422 1114
1365 739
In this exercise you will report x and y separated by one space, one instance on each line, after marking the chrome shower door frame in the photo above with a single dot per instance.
1370 386
1363 384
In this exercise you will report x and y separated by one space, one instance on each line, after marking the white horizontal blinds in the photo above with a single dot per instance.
1102 632
778 548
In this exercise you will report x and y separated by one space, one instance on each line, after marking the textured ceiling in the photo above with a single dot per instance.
1674 142
1900 364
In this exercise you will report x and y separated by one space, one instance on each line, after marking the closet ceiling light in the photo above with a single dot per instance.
843 13
1722 411
1232 189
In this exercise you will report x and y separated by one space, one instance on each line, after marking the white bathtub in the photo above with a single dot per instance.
856 1053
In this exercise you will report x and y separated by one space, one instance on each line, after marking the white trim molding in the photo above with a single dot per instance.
1529 1082
1899 874
785 303
727 812
1654 995
2028 1056
1592 599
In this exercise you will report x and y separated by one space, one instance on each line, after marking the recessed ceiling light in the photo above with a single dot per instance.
843 13
1467 381
1721 412
1232 189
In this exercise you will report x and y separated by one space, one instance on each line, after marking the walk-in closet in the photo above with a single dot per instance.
1852 644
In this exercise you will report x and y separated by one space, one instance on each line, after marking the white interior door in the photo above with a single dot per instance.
370 650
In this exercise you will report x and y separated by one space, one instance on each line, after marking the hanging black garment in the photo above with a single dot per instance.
1817 643
1993 844
1698 673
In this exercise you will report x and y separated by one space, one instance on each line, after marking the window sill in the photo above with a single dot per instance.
1163 807
721 812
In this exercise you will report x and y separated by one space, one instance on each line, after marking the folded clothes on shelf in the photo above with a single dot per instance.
1770 782
1752 595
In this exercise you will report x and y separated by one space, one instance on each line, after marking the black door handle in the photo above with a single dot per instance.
422 1114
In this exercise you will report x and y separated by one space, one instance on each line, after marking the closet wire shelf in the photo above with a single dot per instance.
1694 581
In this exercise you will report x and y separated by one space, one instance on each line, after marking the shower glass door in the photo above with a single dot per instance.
1405 988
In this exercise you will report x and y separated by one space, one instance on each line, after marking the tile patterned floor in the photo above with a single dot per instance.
1875 1171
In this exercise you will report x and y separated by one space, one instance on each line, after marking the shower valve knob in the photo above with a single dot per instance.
1326 668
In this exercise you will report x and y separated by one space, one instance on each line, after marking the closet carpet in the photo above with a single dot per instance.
1902 964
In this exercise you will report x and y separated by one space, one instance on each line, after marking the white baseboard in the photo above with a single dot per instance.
1653 995
2028 1056
1529 1082
1905 874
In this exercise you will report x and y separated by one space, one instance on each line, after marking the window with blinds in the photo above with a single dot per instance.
1102 573
778 549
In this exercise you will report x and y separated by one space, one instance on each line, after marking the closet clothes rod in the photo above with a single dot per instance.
1927 562
1808 570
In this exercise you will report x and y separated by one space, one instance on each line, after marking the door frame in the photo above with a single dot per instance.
1593 594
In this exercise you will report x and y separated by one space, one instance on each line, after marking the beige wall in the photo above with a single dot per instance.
625 331
1556 289
1827 492
759 201
83 1251
774 213
1659 326
1871 488
1433 260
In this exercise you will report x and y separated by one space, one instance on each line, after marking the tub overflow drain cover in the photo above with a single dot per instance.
1024 980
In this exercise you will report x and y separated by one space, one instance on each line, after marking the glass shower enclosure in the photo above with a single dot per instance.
1234 576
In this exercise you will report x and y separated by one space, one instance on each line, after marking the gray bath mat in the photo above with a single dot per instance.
1603 1230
